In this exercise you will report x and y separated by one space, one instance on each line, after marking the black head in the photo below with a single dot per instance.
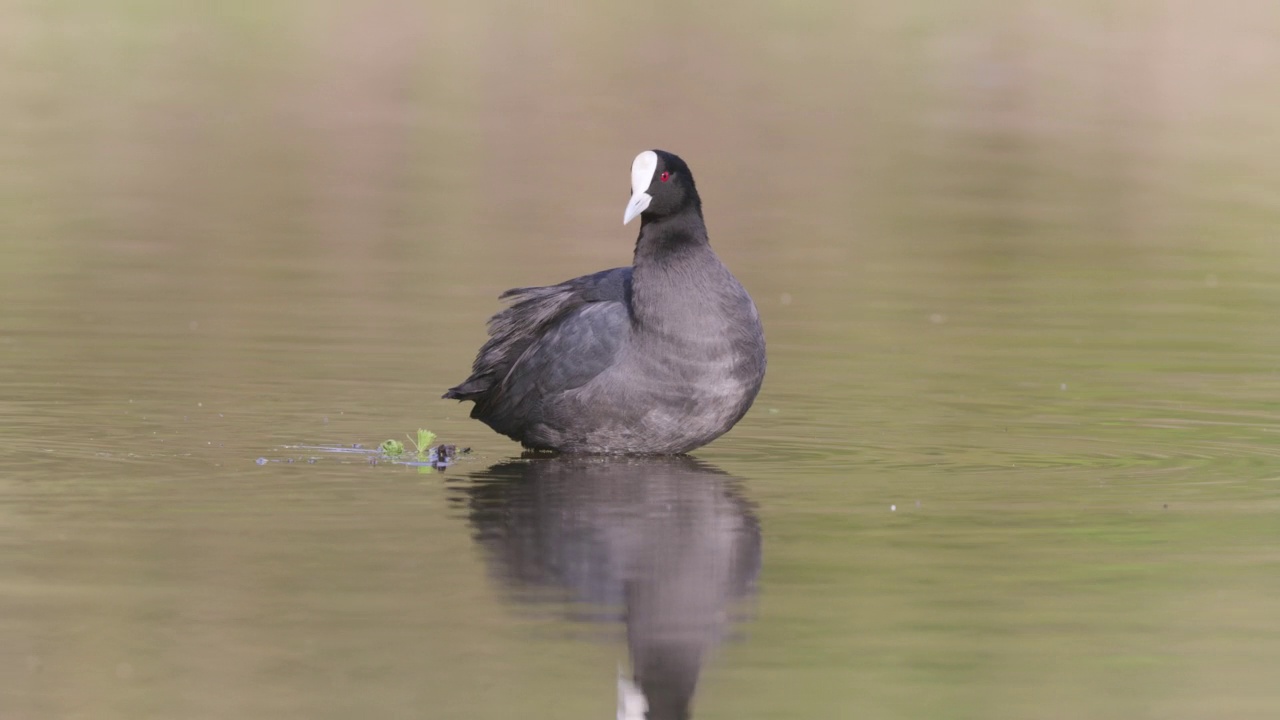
661 185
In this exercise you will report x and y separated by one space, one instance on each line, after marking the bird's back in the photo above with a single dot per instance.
550 340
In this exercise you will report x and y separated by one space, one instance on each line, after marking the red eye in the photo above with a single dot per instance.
665 176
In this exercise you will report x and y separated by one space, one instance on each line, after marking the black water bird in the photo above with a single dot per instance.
660 357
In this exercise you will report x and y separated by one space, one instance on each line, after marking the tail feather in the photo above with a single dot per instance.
472 389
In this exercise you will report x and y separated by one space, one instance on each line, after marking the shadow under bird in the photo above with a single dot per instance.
657 358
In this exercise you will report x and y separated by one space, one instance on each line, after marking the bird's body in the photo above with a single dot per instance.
658 358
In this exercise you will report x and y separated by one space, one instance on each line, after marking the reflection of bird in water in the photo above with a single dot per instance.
668 541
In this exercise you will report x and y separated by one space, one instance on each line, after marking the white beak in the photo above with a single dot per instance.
639 201
642 169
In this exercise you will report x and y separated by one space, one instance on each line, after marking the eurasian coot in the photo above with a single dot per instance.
657 358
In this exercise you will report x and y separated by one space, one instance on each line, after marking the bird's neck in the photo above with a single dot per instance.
677 281
666 240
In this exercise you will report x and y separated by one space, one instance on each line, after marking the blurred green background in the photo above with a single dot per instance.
1017 263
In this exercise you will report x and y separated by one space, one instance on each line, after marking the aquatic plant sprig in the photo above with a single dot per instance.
422 445
392 448
420 453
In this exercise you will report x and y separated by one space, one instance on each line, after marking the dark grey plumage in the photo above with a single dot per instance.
657 358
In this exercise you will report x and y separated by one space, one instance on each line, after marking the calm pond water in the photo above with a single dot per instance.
1017 454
